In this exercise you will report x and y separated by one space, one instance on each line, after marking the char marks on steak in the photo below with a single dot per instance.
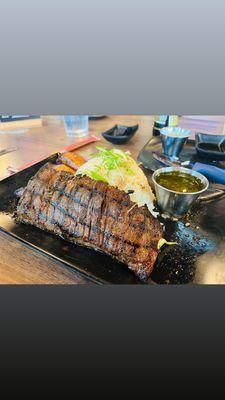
93 214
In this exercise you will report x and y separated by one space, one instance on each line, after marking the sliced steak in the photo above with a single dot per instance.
93 214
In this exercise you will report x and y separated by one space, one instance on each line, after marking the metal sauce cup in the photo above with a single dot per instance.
173 139
173 203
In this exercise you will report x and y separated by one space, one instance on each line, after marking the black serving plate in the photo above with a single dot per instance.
95 117
120 134
211 147
175 265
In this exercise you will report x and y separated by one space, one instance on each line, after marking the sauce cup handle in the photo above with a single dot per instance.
212 194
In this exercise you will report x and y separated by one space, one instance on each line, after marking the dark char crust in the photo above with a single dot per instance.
91 213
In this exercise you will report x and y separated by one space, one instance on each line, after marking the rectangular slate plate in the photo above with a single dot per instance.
175 264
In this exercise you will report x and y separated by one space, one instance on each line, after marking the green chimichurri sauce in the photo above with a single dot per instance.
180 182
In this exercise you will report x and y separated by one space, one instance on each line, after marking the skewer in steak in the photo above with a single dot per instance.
91 213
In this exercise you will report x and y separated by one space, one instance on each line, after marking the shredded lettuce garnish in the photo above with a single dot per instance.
108 161
97 176
163 241
113 159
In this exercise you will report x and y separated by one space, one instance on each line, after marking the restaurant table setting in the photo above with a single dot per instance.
186 174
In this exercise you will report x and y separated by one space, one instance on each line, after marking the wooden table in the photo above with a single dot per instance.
19 263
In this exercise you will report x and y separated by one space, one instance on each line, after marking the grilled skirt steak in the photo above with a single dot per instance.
93 214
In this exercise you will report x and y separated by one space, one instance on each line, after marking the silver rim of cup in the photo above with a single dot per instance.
183 133
202 178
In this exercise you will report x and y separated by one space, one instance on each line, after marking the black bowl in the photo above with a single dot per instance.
210 146
120 134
